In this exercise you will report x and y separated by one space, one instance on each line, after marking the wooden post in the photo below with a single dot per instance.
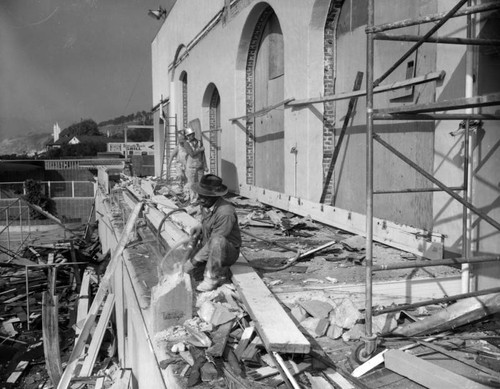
50 330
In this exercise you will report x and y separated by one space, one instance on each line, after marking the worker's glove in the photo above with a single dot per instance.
195 232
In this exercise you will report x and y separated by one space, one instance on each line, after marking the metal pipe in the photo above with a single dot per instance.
27 298
439 262
436 301
414 48
369 170
434 116
443 40
415 190
438 183
433 17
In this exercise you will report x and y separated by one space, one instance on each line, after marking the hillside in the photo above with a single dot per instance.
28 144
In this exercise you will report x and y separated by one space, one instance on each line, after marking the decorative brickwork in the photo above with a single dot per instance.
184 81
329 89
250 70
214 104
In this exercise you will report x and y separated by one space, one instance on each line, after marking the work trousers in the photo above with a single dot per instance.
218 254
193 174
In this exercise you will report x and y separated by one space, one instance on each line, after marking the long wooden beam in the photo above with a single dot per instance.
465 102
426 373
433 76
275 327
263 111
417 241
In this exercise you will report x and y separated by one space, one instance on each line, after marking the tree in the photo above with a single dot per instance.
34 195
85 127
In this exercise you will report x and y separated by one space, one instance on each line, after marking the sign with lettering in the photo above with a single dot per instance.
132 148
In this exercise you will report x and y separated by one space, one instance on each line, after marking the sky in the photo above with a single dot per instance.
66 60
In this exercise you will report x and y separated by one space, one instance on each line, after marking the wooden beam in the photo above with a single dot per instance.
384 293
465 102
50 330
95 343
263 111
426 373
99 297
457 357
455 315
274 326
433 76
417 241
83 302
338 145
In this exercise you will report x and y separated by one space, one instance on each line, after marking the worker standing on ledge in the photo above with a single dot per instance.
180 154
220 238
195 162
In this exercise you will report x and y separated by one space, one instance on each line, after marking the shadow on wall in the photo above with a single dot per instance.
229 175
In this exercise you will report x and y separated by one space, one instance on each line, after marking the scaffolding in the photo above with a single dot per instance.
421 112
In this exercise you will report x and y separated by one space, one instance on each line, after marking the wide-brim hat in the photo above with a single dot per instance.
210 185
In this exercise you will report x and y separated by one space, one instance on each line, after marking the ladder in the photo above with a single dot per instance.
169 142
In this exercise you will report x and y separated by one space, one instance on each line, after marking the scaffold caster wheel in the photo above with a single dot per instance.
359 354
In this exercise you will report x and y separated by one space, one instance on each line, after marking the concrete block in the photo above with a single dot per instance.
317 308
299 313
316 327
345 314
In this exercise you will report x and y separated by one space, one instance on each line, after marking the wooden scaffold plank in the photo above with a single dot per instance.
275 327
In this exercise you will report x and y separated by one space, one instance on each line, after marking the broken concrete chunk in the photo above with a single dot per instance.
383 324
316 327
215 313
355 333
345 314
208 372
317 308
334 331
299 313
178 347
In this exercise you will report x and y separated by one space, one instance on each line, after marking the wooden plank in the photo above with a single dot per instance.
19 370
457 357
83 303
338 379
244 340
414 240
384 293
426 373
381 88
275 327
50 330
263 111
466 102
455 315
97 337
336 151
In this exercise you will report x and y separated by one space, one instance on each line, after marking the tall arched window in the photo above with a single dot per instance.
266 68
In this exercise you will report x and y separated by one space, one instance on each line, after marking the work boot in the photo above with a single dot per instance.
188 267
209 284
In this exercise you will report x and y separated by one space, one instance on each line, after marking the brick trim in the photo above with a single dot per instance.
250 85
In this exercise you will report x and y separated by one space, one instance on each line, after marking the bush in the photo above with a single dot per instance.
34 195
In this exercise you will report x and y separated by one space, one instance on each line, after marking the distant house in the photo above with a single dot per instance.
57 143
77 139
